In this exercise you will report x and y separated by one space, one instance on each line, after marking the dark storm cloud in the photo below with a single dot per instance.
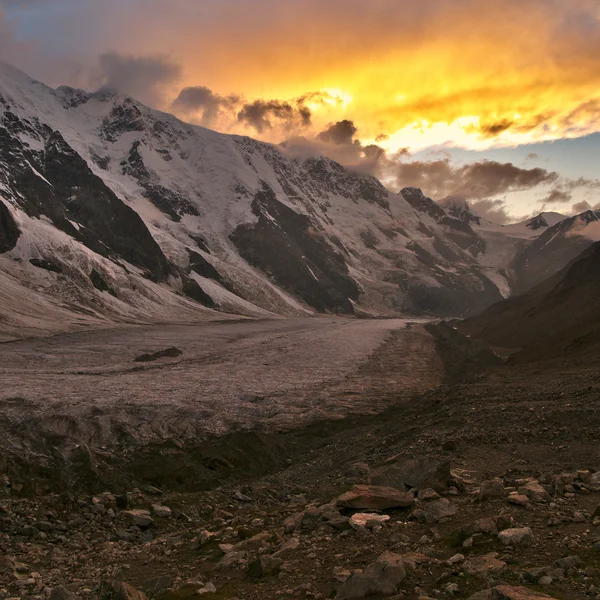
557 196
202 99
339 133
266 114
146 78
479 180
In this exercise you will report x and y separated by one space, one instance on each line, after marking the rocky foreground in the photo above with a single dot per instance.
412 529
485 486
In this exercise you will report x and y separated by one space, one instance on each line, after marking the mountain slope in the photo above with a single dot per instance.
560 315
120 212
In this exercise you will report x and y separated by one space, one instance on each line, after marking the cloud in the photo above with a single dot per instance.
590 231
339 133
557 196
146 78
212 106
475 181
263 115
583 206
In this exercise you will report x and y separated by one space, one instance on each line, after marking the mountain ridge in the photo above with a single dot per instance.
170 215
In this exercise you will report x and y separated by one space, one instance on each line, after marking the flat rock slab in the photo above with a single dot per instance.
373 497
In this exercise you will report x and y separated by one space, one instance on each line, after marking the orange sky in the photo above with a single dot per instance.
464 74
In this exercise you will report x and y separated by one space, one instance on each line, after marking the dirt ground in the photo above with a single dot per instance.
403 396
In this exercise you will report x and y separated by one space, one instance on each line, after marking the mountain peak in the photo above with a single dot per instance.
544 220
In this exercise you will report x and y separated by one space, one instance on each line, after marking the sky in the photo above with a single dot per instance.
492 101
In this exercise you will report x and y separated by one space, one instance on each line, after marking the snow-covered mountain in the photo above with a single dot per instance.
111 212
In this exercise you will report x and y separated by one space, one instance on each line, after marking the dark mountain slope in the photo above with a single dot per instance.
559 316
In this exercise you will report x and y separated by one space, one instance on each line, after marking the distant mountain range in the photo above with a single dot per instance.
113 212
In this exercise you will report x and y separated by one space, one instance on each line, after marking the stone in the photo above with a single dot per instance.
293 522
482 566
62 593
383 577
163 512
439 510
407 473
118 590
370 497
367 520
428 495
139 517
157 585
190 589
509 592
518 499
494 488
534 491
516 536
569 562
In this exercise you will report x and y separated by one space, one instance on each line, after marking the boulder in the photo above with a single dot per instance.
434 512
482 566
381 577
534 491
62 593
516 536
367 520
118 590
163 512
371 497
418 473
494 488
138 517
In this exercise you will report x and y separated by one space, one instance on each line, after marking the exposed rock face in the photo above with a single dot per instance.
285 245
9 231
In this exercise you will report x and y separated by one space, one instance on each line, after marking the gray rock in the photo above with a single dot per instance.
408 473
384 577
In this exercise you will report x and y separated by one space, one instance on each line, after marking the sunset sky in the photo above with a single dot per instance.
495 101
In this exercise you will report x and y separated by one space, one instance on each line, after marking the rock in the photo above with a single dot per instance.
310 518
569 562
241 497
484 565
518 499
163 512
487 525
157 585
369 497
138 517
232 559
534 491
293 523
545 580
509 592
62 593
494 488
289 546
381 577
264 566
516 537
367 520
428 495
439 510
190 589
358 471
7 567
118 590
408 473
